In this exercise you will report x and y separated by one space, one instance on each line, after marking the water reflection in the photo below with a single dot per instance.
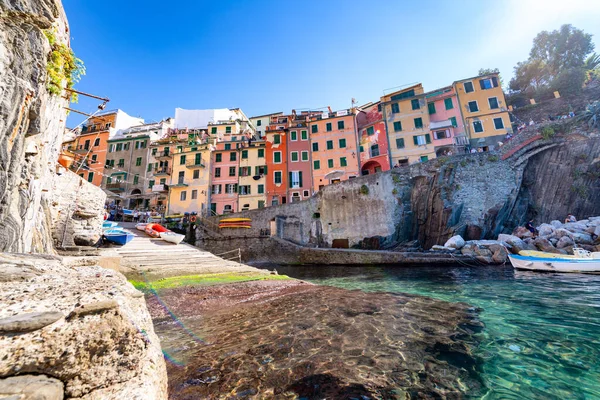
542 335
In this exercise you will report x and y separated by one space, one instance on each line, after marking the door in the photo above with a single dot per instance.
213 208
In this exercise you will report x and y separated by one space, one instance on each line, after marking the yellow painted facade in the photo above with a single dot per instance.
190 180
484 110
253 163
407 121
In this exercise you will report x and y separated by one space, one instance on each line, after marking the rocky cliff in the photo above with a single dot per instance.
32 123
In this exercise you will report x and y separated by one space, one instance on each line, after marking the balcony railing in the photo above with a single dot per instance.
81 150
195 163
162 171
160 188
81 166
116 187
163 154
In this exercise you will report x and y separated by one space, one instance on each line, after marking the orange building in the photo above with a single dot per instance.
373 139
91 145
277 159
334 151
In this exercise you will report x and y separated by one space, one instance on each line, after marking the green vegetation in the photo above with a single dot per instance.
592 115
489 71
547 132
364 189
580 190
203 280
395 179
394 191
464 163
493 158
62 67
559 60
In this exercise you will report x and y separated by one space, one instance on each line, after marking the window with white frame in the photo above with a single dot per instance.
183 195
194 194
294 156
441 134
230 188
296 197
227 209
468 87
306 193
244 189
216 189
420 140
304 156
295 176
477 126
493 102
473 106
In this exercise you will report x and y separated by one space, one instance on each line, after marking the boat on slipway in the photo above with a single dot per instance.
235 223
582 261
118 236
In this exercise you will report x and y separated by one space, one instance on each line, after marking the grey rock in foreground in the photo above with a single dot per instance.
105 348
31 387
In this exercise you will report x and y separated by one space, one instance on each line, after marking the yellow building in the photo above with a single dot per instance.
407 123
190 178
252 176
484 110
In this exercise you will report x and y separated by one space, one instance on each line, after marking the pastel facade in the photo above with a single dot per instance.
261 122
445 121
407 123
299 166
484 111
334 148
276 139
373 140
252 176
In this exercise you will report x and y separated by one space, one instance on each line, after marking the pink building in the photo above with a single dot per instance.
446 126
373 139
299 158
224 184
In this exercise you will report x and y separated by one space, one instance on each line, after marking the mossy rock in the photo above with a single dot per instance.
203 280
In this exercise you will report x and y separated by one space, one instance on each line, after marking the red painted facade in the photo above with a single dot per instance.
277 159
373 141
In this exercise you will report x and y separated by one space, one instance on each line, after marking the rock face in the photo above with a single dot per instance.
76 211
85 326
31 387
33 122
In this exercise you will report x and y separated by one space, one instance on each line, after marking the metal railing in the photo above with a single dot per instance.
237 256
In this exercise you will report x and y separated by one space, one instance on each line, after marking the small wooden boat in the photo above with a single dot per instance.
246 225
172 237
235 220
118 237
582 261
141 226
116 229
109 224
155 230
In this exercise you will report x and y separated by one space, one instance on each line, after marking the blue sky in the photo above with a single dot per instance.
150 57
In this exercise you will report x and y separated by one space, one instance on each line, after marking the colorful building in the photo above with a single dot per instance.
277 159
484 110
260 123
127 169
189 190
299 166
91 145
445 122
373 139
335 154
252 175
407 123
160 164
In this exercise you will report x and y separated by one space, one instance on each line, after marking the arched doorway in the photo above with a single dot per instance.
135 199
370 168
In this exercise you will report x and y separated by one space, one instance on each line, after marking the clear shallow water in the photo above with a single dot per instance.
542 331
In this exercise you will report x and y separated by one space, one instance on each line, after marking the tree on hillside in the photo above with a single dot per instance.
488 71
557 61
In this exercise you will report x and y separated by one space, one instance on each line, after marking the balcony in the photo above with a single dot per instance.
160 188
163 155
195 164
116 187
81 150
79 166
162 171
180 183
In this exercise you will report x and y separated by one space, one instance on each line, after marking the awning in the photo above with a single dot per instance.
440 124
334 174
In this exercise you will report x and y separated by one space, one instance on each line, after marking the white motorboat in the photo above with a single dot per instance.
172 237
582 261
141 226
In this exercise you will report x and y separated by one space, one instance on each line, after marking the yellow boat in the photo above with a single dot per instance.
235 220
543 254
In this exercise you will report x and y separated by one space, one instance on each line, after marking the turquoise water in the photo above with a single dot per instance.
542 331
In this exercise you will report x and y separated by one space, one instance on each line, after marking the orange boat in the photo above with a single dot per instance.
155 230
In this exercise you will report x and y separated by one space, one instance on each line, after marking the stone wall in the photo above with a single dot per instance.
475 195
31 123
76 211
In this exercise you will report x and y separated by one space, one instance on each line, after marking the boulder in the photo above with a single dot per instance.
582 238
455 242
564 242
558 233
522 232
575 227
553 241
556 224
33 387
516 244
437 247
545 230
529 243
543 244
486 251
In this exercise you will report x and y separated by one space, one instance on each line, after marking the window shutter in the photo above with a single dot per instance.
300 178
481 84
494 81
415 140
265 170
290 180
427 138
255 170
